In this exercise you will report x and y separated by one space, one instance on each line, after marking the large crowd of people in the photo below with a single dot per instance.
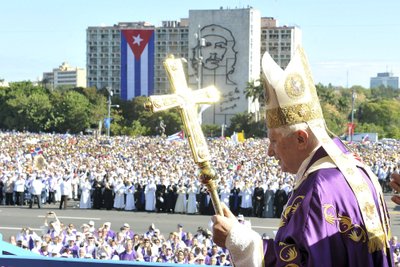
148 174
87 241
142 174
153 174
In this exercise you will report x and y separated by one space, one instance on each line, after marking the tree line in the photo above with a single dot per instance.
28 107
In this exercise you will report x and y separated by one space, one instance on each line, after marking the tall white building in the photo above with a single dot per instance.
223 47
226 53
65 75
171 38
103 54
279 41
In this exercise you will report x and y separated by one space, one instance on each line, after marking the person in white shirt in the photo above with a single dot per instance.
19 188
85 201
36 191
65 188
119 190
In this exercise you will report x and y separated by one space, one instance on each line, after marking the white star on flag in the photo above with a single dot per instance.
137 40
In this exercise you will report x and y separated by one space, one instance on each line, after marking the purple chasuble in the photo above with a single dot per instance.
322 224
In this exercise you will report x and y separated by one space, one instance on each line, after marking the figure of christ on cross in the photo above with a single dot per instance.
187 101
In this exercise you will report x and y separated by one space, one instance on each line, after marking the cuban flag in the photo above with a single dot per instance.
137 63
176 136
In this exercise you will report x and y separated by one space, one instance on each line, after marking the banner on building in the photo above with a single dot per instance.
137 63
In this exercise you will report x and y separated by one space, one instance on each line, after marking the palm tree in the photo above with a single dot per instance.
45 81
255 90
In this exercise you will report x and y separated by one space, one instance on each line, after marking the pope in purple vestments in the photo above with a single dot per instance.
336 215
322 226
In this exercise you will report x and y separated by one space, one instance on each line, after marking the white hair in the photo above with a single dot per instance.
290 129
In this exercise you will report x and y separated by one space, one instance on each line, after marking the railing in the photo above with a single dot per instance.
13 256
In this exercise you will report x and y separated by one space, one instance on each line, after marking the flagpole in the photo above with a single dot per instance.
110 94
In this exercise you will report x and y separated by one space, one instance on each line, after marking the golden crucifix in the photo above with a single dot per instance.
187 102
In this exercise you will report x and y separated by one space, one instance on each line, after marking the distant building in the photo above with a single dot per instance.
3 83
228 55
385 79
103 54
171 38
227 44
279 41
65 75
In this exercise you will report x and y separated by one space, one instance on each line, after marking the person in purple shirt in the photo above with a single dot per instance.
336 215
72 247
182 234
129 254
109 233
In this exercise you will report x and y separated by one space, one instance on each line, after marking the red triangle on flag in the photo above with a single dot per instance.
137 40
182 134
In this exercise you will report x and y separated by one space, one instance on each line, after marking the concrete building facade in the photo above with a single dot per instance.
65 75
223 47
171 38
279 41
385 79
226 53
103 54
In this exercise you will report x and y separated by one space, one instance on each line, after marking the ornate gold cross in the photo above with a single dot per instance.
186 100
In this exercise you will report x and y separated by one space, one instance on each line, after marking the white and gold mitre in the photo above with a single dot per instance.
290 94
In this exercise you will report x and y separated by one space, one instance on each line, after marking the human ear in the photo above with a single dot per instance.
302 138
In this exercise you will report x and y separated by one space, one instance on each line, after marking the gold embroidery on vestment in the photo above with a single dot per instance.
345 225
290 209
288 252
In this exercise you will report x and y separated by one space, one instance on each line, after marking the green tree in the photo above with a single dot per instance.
384 113
27 107
97 105
137 129
383 92
370 128
255 90
211 130
335 121
150 120
244 122
46 83
381 112
75 111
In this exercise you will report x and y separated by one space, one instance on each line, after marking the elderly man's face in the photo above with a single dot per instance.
285 150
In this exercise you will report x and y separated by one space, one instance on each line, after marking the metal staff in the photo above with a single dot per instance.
186 100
